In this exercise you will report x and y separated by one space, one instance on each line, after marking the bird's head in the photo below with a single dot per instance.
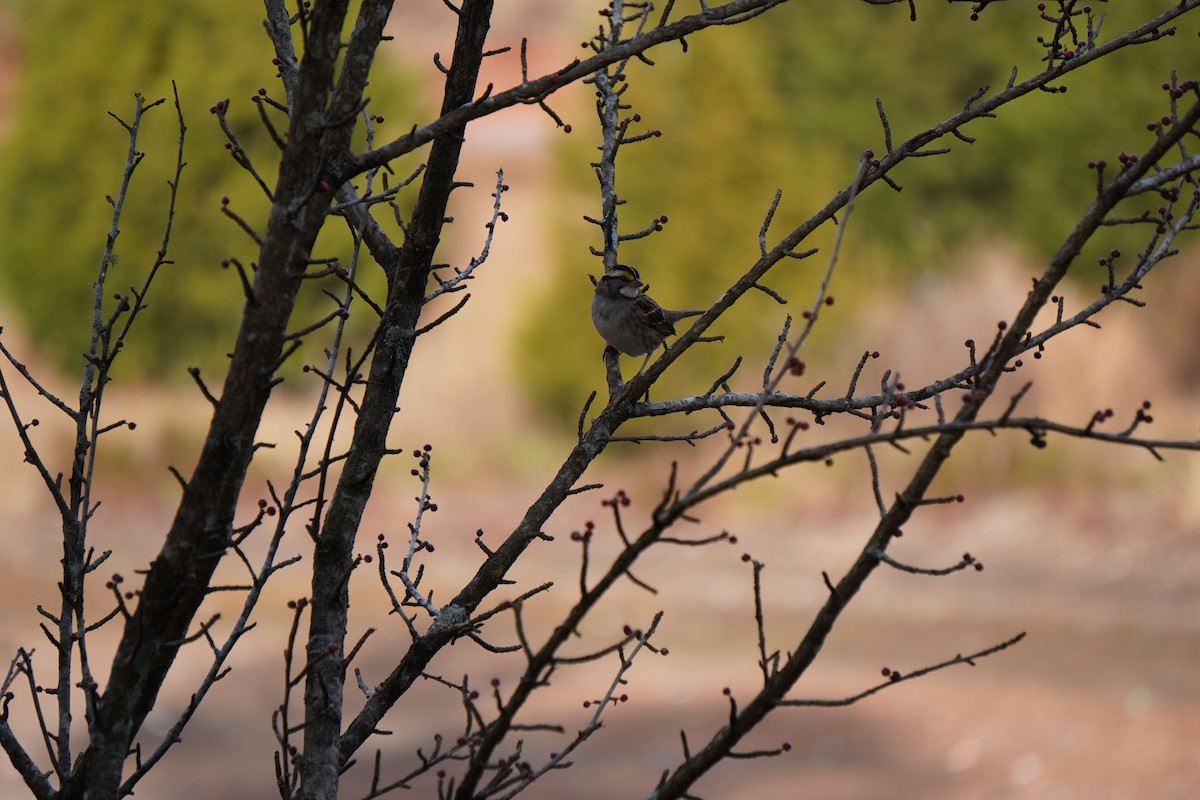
621 280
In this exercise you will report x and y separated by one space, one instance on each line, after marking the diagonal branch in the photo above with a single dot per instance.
723 741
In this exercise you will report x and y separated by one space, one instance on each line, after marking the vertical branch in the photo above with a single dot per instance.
608 108
71 612
333 557
279 30
609 81
179 576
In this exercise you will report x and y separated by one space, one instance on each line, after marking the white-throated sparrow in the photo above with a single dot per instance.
627 318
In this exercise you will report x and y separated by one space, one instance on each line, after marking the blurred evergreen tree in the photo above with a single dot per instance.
799 84
62 154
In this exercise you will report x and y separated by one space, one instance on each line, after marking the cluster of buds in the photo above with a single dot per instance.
422 457
586 534
621 499
114 584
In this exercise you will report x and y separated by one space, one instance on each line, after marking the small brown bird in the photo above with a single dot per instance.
627 318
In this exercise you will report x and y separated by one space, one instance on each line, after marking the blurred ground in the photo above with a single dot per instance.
1100 701
1093 551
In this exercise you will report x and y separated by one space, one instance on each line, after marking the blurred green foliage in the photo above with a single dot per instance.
62 155
789 101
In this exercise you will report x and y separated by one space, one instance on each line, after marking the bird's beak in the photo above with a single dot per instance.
592 278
